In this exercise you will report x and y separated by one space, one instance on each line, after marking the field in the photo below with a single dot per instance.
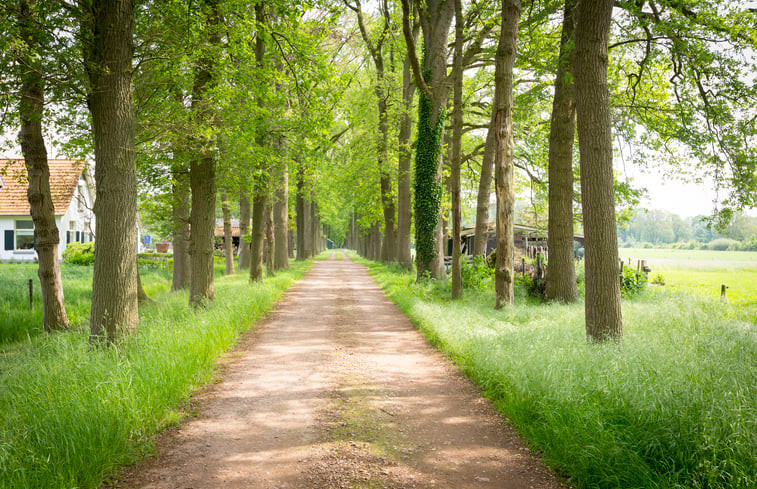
673 407
702 272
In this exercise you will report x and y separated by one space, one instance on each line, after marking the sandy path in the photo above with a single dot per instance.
336 389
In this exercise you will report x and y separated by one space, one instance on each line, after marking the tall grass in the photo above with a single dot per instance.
70 415
18 322
674 406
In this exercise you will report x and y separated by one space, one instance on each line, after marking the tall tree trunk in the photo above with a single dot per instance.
304 251
244 228
315 228
35 156
281 219
436 18
404 204
481 236
561 273
260 197
270 240
503 105
455 160
259 202
603 310
228 234
110 31
180 212
202 173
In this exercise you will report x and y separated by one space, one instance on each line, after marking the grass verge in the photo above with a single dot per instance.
674 407
71 415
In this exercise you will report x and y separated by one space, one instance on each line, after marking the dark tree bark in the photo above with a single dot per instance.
561 273
259 202
270 239
244 228
202 174
108 32
32 141
315 228
404 203
304 251
603 310
481 235
281 220
260 193
503 106
435 18
180 211
228 235
455 160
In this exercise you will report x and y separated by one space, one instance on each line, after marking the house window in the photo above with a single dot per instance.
24 235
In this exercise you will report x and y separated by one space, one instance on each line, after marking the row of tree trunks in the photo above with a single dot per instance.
503 107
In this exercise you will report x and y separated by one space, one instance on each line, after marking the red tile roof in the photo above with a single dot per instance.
64 177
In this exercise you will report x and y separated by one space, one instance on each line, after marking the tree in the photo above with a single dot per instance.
32 141
561 273
202 173
107 30
603 312
435 19
503 107
457 139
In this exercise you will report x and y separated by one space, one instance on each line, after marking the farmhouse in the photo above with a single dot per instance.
72 189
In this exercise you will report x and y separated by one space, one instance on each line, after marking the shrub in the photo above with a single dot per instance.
632 282
722 244
658 279
476 273
749 244
79 253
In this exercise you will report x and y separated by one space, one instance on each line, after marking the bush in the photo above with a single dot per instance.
476 273
722 244
749 244
632 282
79 253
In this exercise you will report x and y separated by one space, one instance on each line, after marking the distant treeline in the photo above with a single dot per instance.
650 228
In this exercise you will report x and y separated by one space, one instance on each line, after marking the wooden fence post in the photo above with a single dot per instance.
723 298
31 294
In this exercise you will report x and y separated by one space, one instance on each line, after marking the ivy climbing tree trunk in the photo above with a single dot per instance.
304 251
180 212
259 202
503 106
228 235
435 19
561 273
603 310
108 33
32 141
270 239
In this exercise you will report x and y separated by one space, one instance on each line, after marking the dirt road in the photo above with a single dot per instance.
336 389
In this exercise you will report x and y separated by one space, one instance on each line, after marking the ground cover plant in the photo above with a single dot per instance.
674 406
70 415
